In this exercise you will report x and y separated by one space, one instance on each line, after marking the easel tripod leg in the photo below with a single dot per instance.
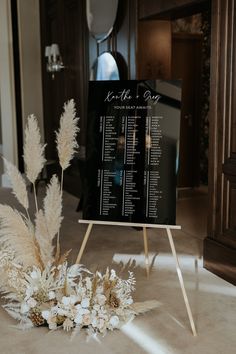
86 236
145 241
181 281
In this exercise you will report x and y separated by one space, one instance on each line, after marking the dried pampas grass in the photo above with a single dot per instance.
33 150
47 223
18 184
66 136
16 235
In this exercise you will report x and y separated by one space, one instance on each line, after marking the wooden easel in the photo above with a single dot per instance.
168 229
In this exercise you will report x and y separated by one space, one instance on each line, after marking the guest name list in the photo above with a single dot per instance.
125 155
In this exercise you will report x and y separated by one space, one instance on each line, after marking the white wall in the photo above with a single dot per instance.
7 92
30 59
30 67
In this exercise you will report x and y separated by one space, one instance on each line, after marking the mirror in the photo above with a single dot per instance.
105 68
101 16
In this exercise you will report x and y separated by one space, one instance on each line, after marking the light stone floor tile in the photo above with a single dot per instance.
163 330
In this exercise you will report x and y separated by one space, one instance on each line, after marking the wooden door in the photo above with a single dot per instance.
186 65
63 22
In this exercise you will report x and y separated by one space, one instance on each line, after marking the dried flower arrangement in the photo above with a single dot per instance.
38 285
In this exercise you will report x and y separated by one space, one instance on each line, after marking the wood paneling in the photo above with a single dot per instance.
154 50
167 9
219 256
188 45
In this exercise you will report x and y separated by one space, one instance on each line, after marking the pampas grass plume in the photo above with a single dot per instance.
18 184
33 149
17 236
66 136
47 223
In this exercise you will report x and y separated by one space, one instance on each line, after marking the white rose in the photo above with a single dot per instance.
114 321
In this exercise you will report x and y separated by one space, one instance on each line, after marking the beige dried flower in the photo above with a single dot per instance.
33 150
18 184
66 136
17 235
36 317
47 224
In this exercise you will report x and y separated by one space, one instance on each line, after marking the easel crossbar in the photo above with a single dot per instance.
132 224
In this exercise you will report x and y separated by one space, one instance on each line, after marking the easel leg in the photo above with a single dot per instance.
145 241
181 281
86 236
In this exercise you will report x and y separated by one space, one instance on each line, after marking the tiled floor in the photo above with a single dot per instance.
164 330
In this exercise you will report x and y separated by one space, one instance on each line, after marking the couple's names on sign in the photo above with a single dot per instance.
126 156
125 95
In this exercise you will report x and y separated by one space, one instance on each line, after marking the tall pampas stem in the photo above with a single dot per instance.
33 153
66 143
18 184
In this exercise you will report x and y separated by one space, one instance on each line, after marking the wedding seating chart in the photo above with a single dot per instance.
131 151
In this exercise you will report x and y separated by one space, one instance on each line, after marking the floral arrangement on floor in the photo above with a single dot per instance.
38 285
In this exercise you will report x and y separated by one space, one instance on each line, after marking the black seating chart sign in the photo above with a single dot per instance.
131 151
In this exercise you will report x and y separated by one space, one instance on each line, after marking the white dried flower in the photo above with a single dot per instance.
68 325
31 302
52 323
51 295
114 321
101 299
85 302
46 314
78 319
24 308
86 319
66 300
